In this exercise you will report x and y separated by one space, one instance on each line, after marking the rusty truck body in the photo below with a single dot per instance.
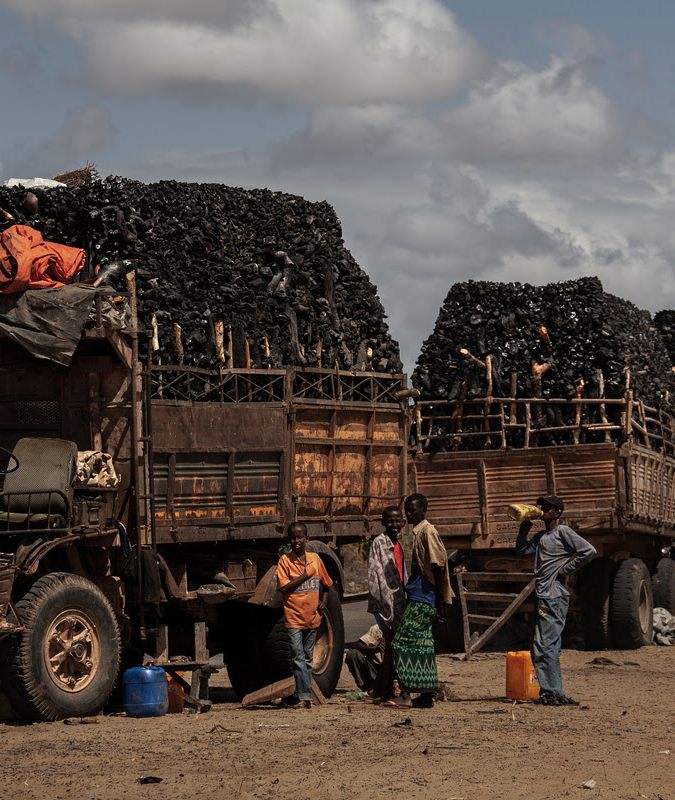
177 562
613 463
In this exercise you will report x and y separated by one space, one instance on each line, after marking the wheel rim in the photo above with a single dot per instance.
323 647
72 651
644 610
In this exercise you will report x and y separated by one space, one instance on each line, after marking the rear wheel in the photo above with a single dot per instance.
66 660
663 585
596 586
631 605
259 653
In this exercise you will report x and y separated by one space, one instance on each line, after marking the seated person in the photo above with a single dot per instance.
365 659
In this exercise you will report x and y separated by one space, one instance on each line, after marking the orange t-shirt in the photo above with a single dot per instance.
301 607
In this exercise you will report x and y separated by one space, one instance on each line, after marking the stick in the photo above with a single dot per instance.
229 358
472 358
219 329
178 341
155 334
488 399
514 391
603 407
133 300
577 411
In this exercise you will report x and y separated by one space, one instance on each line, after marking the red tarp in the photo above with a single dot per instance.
28 262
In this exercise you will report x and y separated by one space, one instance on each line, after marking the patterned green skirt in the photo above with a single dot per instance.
414 652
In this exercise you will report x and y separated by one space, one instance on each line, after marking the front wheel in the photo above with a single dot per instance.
66 660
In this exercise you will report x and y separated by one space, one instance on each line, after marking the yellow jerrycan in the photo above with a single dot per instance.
521 679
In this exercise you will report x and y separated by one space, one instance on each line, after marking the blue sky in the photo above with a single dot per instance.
519 140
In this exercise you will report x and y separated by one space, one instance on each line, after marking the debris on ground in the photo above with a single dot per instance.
664 627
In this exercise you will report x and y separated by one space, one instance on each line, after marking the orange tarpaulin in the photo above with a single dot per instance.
28 262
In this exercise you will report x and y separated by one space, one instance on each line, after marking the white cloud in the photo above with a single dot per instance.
332 51
544 118
548 115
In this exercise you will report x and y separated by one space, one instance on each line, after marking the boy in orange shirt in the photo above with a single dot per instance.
303 581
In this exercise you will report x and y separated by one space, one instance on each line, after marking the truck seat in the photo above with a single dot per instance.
39 494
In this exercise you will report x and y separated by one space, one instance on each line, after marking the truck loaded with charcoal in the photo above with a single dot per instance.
218 366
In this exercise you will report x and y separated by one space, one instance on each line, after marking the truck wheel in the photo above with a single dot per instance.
631 605
330 645
66 661
663 585
596 585
263 655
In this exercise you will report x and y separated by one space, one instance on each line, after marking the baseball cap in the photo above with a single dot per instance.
552 501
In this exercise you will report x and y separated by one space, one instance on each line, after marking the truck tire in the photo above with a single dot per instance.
663 585
261 653
330 646
596 587
631 605
66 661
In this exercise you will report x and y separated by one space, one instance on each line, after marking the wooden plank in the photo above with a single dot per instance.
318 694
499 576
483 498
201 651
459 573
162 644
490 597
485 637
481 619
275 691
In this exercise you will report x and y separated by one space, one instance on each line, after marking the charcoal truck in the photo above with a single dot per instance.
168 554
611 460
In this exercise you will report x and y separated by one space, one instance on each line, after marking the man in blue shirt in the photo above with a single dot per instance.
558 551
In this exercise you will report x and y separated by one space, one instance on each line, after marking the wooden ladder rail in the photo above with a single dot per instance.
473 646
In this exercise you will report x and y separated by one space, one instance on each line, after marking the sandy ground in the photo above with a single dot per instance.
481 746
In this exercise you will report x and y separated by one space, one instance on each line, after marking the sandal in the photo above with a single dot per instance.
396 704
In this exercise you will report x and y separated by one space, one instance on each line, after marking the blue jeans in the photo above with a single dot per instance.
547 642
302 654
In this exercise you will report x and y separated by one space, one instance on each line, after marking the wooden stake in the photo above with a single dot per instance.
178 341
514 392
248 354
155 334
319 351
488 400
471 358
577 411
133 300
219 329
603 407
229 361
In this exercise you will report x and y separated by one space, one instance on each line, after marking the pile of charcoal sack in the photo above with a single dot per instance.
271 267
581 335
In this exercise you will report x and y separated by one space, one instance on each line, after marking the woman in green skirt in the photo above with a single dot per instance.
428 591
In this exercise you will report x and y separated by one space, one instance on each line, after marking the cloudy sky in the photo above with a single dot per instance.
519 140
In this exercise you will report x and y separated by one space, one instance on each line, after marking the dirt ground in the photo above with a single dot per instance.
623 737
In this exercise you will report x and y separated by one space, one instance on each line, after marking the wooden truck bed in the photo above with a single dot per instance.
259 448
605 489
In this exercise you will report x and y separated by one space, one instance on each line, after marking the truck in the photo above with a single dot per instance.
611 460
176 561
